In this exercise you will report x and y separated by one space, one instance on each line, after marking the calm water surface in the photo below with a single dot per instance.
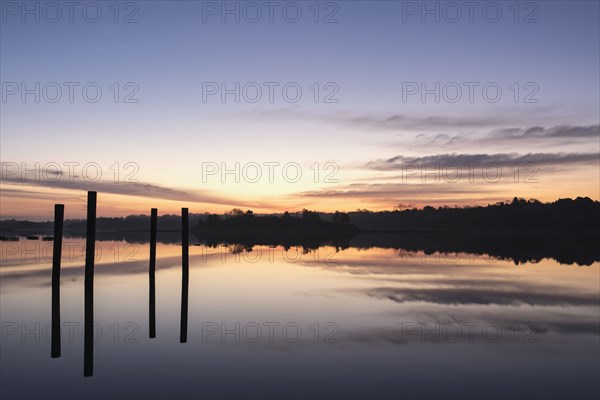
358 322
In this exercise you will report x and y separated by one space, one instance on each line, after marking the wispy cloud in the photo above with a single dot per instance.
534 135
15 187
390 190
122 188
560 131
388 195
499 159
382 121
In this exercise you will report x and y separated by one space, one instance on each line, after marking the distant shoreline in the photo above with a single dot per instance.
564 215
319 231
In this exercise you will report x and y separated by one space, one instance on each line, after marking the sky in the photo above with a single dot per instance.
274 106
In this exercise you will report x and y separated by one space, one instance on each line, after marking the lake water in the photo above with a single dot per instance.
366 321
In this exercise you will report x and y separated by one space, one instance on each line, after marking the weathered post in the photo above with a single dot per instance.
152 270
59 212
90 244
185 274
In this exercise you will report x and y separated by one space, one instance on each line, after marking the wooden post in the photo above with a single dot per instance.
90 244
59 212
152 270
185 274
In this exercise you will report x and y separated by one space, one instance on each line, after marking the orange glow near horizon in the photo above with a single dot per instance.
36 203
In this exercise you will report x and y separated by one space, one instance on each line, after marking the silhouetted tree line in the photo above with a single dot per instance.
563 214
238 220
140 222
581 213
522 230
